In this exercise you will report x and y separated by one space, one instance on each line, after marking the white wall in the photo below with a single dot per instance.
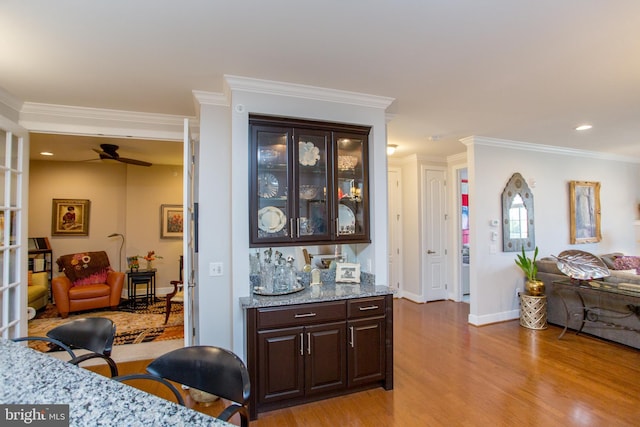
124 199
494 276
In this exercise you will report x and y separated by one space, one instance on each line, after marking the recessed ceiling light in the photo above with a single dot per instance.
46 153
584 127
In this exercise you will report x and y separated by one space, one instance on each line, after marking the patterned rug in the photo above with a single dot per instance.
132 326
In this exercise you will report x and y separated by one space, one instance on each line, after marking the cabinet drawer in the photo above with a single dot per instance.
365 307
302 314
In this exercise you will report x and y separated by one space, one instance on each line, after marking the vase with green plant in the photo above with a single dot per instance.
528 265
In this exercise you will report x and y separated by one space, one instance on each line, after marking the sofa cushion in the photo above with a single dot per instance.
627 263
85 268
609 259
548 265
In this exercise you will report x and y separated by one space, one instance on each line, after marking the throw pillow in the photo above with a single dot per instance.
627 263
85 268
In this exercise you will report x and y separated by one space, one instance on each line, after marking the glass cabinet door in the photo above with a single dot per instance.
311 152
351 187
270 201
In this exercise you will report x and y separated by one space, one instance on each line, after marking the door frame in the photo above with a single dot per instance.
13 286
395 225
425 295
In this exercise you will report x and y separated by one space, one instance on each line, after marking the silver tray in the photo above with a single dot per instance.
259 290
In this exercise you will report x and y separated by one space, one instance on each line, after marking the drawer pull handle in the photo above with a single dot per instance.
301 344
371 307
308 342
298 316
351 338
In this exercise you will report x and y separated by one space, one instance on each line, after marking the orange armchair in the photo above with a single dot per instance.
88 283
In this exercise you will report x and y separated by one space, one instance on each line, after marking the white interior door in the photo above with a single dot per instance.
190 233
14 158
395 228
434 236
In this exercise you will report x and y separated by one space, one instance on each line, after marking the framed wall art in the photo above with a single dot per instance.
171 221
584 212
347 273
70 217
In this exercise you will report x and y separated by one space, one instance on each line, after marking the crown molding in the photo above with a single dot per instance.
51 118
269 87
9 105
210 98
542 148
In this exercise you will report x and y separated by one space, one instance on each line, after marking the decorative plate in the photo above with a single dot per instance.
346 220
309 153
267 185
581 265
271 219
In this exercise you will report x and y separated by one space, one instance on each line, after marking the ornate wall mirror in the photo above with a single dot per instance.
518 229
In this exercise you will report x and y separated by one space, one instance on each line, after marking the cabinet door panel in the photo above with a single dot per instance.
351 186
326 362
366 351
270 184
311 151
280 364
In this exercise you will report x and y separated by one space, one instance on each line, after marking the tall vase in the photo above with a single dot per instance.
149 264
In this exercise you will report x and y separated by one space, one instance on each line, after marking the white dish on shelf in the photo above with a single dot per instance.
309 153
346 220
271 219
267 185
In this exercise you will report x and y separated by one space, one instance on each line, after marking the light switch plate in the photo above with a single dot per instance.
215 269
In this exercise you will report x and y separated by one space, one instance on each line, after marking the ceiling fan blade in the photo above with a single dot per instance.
109 152
104 155
133 161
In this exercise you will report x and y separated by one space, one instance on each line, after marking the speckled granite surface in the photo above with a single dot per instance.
328 291
30 377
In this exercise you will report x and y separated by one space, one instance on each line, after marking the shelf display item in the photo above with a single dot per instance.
346 220
309 153
271 219
267 185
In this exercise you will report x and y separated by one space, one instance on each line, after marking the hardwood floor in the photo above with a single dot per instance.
450 373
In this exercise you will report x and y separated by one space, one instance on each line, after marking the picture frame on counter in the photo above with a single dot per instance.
347 272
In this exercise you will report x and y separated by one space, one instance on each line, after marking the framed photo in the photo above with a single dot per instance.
584 212
171 221
70 217
347 273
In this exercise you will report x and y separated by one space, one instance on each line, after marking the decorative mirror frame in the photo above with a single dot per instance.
517 185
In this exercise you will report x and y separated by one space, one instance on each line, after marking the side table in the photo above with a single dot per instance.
141 277
533 311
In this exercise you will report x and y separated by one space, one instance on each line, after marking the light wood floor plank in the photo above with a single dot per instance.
450 373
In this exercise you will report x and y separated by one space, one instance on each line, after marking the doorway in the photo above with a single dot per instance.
463 209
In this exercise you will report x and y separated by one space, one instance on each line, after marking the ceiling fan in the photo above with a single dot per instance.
110 152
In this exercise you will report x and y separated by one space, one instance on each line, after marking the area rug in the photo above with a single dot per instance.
132 326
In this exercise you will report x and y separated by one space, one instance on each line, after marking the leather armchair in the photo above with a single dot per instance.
95 291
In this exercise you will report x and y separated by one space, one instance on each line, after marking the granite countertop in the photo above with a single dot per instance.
34 378
328 291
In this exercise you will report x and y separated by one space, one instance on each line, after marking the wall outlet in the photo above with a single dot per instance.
215 269
518 290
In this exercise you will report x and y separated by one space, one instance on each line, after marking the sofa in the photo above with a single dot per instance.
38 290
617 316
88 283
